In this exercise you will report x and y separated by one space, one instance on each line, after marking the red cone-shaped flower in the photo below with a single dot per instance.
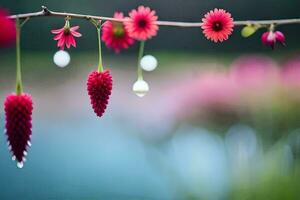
18 112
99 86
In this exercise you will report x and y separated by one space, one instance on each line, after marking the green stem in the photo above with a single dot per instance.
98 27
141 53
18 59
272 28
94 22
67 24
24 22
100 66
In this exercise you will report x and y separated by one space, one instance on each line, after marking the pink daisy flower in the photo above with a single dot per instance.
65 35
217 25
115 35
142 23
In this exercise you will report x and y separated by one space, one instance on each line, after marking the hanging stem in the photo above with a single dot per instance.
100 66
24 22
141 53
272 28
98 27
18 59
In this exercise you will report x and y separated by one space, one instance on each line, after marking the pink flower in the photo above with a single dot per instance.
211 92
216 89
7 29
217 25
270 38
290 73
115 35
65 35
142 23
254 72
99 87
18 117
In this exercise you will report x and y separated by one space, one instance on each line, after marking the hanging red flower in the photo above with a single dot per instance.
99 87
66 36
18 115
270 38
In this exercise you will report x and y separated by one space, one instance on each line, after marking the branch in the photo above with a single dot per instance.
46 12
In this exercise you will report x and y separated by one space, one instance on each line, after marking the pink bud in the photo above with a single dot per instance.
280 37
270 38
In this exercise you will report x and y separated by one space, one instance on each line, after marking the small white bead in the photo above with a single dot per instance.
148 63
140 88
61 58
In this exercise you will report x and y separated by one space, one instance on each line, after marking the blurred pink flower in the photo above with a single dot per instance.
7 29
215 89
115 35
290 73
254 72
210 91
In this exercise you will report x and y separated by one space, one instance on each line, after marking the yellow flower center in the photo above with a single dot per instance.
118 30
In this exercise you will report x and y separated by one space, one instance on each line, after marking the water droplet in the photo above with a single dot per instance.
9 147
24 159
61 58
5 130
148 63
29 143
20 165
140 88
13 158
25 153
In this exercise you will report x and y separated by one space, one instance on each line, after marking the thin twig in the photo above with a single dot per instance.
24 22
46 12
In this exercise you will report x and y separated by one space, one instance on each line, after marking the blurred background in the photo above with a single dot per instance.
221 121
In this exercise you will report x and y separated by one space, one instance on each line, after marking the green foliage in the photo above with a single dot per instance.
276 180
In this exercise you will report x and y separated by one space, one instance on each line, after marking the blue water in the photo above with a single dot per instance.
84 157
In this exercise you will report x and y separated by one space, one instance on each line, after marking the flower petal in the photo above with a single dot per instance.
72 41
76 34
74 28
61 42
57 31
58 36
67 42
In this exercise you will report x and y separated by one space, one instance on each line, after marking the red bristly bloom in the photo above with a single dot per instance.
65 35
142 23
99 87
7 29
270 38
217 25
115 35
18 112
